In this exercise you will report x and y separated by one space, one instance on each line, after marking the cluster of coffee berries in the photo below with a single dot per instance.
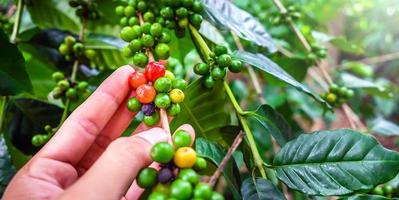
41 139
65 88
318 53
338 95
147 36
386 190
156 89
5 24
177 14
177 177
215 68
290 15
85 9
71 49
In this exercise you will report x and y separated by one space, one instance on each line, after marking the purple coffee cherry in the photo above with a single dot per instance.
165 175
148 109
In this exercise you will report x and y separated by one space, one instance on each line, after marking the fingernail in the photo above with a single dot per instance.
154 135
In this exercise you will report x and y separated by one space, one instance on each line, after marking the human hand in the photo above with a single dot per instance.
87 158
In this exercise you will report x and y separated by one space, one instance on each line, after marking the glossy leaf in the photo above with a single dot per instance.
226 14
385 127
7 170
335 163
215 153
13 76
204 109
212 33
260 189
272 123
265 64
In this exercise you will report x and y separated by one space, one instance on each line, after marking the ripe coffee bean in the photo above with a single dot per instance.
148 109
165 175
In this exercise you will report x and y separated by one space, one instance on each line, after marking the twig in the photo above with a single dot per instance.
2 111
227 157
20 7
381 59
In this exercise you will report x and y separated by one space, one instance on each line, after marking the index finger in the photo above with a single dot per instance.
81 128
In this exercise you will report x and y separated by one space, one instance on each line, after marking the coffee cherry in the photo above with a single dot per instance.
182 12
220 50
165 38
165 175
176 96
137 79
162 100
63 84
127 52
130 11
147 177
331 98
185 157
69 40
187 3
334 88
133 21
216 196
209 82
162 50
71 93
82 86
57 92
57 76
137 30
162 152
169 75
198 7
224 60
134 105
167 13
196 20
189 175
151 120
181 138
142 6
64 49
128 34
162 188
378 190
148 17
140 59
349 94
179 84
200 164
236 66
120 10
90 54
157 196
163 84
145 28
145 93
388 189
202 191
218 73
342 91
201 69
135 45
156 29
148 109
181 189
173 109
78 48
124 21
147 40
154 70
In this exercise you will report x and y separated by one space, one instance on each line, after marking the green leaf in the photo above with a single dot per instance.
385 127
260 189
212 33
367 197
215 153
53 14
335 162
7 170
272 123
205 110
265 64
226 14
354 82
13 76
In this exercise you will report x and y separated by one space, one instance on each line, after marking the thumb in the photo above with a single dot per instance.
113 173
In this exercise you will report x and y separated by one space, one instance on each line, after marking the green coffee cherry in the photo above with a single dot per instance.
148 17
71 93
147 177
162 100
156 29
224 60
179 84
133 21
181 138
82 86
63 84
162 50
135 45
165 38
151 120
129 11
218 73
219 50
127 52
134 105
200 164
236 66
209 82
162 152
163 84
140 59
167 13
173 109
196 20
201 69
64 49
57 76
120 10
90 54
142 6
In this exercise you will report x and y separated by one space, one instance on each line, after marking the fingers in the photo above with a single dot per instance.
81 128
114 172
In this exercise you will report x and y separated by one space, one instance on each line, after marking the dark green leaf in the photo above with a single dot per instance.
204 109
215 153
13 76
260 189
335 163
226 14
53 14
265 64
367 197
7 170
272 123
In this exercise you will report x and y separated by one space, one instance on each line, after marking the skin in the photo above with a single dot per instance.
87 158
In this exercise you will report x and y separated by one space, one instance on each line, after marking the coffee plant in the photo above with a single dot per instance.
288 99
